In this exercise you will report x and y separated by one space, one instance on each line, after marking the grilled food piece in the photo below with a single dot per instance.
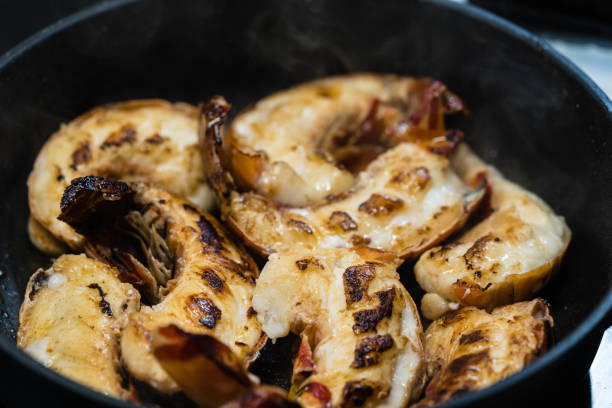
360 330
210 373
507 257
179 257
470 349
71 321
146 140
300 145
406 201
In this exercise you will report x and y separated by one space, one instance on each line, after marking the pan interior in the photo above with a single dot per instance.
527 116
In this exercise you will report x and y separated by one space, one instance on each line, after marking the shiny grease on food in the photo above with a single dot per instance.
180 257
406 200
72 318
321 178
507 257
360 330
143 140
469 349
299 145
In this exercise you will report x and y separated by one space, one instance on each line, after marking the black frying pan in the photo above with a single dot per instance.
533 114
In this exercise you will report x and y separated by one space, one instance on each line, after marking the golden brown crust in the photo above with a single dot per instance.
405 216
147 140
470 349
72 318
507 257
182 260
360 329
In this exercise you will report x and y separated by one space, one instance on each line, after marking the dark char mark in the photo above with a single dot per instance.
205 311
39 281
212 279
104 306
356 281
367 352
355 393
367 320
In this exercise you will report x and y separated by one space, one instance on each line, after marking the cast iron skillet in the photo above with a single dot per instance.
533 114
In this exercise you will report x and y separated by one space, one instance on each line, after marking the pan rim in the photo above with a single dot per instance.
528 39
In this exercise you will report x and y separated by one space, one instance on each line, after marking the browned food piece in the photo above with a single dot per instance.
470 349
144 140
360 330
210 373
43 240
507 257
72 318
406 200
181 259
299 145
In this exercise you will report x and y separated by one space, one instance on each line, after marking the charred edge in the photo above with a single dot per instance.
367 320
212 119
95 185
342 220
251 312
380 204
205 311
209 234
472 337
184 346
81 155
212 279
156 139
90 203
303 264
104 305
355 393
39 281
127 134
300 225
476 251
367 352
356 281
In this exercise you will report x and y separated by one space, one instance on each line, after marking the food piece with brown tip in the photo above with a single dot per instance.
507 257
470 349
210 373
406 200
188 268
360 330
151 141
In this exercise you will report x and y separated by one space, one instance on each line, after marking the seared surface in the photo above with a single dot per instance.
360 330
146 140
300 145
405 201
72 318
505 258
469 349
181 259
